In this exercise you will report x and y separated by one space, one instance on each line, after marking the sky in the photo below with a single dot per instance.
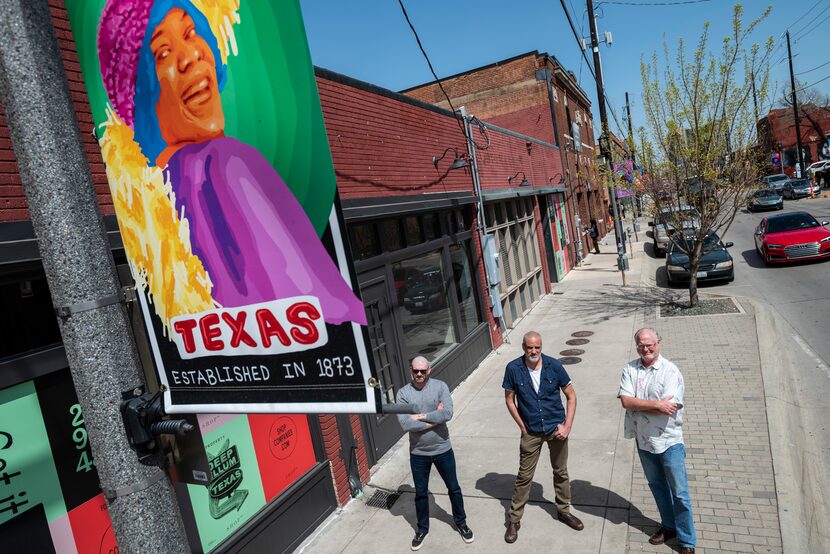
371 41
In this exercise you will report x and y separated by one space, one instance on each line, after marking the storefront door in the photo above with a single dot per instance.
383 430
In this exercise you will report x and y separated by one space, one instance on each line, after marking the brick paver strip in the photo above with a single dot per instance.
726 435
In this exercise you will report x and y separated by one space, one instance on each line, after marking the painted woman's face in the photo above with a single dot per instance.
189 107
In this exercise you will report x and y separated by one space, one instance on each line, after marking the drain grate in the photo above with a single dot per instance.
383 499
582 334
572 352
566 360
576 342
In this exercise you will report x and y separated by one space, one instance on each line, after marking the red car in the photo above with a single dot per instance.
792 236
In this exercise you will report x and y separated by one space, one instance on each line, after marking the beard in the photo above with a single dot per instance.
534 359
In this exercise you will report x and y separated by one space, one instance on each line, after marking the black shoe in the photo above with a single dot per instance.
571 521
662 535
512 532
466 533
418 540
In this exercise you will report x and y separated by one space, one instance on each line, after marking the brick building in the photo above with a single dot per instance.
534 94
481 240
776 133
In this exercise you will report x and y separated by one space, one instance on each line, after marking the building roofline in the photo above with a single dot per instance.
474 70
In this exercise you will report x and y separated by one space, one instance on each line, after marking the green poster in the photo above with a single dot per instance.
25 457
235 493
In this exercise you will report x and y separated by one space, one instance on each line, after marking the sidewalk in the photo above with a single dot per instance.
725 429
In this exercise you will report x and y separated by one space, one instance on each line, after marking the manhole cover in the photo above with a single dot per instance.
566 360
382 499
576 342
572 352
582 334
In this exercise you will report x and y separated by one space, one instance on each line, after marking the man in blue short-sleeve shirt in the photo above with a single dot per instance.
532 385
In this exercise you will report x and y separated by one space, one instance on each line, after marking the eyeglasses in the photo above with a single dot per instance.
651 346
418 371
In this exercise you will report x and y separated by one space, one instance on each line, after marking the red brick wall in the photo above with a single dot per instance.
384 147
13 205
507 155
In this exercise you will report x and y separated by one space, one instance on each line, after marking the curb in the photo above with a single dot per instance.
800 481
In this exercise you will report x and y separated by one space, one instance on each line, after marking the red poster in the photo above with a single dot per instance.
91 527
283 450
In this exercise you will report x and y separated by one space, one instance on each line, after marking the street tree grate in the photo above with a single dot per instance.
567 360
576 342
572 352
582 334
383 499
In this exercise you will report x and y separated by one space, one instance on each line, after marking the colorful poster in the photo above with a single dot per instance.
209 122
50 499
252 460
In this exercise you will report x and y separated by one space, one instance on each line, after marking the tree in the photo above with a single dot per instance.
699 109
813 107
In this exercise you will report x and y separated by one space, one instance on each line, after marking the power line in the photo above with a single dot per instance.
816 67
679 3
814 27
429 63
805 14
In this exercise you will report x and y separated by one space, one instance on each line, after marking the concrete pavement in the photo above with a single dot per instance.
729 459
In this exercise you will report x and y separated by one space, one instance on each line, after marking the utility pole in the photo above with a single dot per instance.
795 113
754 96
636 203
81 273
605 139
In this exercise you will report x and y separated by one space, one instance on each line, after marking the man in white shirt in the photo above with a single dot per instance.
651 391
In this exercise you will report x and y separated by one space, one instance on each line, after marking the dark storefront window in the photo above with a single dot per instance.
463 277
432 228
390 230
412 228
364 240
28 319
426 320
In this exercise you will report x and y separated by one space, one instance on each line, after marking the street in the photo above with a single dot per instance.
800 292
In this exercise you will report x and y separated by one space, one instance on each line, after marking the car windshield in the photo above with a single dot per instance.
765 193
798 183
791 222
684 214
776 178
709 243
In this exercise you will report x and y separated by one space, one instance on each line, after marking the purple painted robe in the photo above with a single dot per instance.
251 233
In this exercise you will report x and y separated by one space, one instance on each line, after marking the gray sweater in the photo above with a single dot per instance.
431 436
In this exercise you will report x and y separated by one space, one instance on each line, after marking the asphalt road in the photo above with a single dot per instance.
799 292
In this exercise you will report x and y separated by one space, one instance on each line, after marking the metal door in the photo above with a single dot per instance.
383 431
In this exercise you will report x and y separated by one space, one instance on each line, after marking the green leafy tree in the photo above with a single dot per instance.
700 112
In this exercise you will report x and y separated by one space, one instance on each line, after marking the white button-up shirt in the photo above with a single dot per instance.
661 381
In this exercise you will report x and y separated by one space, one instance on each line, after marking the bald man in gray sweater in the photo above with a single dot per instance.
429 444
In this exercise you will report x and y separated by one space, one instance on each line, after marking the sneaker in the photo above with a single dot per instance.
418 540
466 533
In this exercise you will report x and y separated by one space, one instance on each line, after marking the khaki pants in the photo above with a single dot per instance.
529 451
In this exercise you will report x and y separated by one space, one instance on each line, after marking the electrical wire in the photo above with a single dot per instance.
647 4
816 67
812 28
432 70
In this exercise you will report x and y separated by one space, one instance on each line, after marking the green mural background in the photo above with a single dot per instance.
270 99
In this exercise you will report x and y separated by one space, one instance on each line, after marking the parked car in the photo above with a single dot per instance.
425 291
765 199
792 236
775 182
796 188
818 171
715 261
667 220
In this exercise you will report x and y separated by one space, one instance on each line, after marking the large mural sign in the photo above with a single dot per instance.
209 122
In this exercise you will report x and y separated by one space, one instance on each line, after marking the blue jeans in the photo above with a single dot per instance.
445 464
666 476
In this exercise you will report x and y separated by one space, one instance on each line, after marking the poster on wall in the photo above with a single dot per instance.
210 127
50 499
252 459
